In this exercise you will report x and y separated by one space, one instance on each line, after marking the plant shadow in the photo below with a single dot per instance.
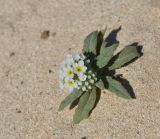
112 37
74 103
126 84
98 95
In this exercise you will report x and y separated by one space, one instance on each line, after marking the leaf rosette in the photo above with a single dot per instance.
87 73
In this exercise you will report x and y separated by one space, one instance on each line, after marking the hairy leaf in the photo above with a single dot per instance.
90 43
78 112
100 84
90 103
86 103
70 98
106 54
124 56
117 88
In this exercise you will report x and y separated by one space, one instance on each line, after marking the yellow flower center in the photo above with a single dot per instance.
69 72
78 69
70 83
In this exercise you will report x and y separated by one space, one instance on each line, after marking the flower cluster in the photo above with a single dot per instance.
75 73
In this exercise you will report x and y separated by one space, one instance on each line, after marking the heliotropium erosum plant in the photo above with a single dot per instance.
92 70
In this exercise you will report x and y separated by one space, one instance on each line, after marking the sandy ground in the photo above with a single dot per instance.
29 93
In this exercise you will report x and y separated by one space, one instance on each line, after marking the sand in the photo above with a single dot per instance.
29 63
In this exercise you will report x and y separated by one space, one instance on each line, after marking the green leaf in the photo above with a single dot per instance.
86 103
124 56
90 103
100 84
106 54
70 98
78 112
117 88
90 43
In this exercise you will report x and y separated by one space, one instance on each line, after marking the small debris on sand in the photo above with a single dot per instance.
12 54
45 34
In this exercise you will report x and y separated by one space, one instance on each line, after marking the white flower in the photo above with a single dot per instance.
91 81
70 84
69 60
88 61
89 77
83 77
86 83
77 57
68 72
95 78
90 72
79 83
79 67
83 88
89 87
93 75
